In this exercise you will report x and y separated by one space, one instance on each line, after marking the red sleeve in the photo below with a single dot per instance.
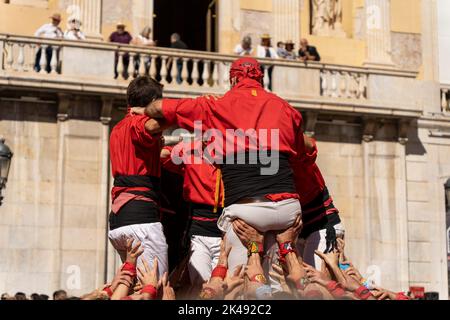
183 112
300 148
170 166
139 135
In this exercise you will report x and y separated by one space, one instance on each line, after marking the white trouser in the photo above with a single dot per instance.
316 241
153 241
205 253
265 217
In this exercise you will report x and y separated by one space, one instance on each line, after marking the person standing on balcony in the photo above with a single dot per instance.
245 47
281 50
265 50
48 31
177 43
135 147
268 201
123 37
74 31
290 53
307 52
143 39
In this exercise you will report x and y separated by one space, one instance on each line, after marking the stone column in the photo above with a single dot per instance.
378 35
89 12
286 17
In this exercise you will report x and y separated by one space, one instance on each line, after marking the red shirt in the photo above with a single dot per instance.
202 181
308 179
133 150
246 106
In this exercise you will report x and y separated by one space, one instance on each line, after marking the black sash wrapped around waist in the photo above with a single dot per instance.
246 180
136 211
204 220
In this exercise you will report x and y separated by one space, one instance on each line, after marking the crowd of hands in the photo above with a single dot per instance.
298 280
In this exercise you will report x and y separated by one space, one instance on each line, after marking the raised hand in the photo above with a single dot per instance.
133 252
148 276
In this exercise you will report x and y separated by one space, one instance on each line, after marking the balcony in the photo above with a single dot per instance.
88 68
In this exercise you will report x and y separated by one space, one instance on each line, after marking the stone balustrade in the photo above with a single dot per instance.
106 68
445 99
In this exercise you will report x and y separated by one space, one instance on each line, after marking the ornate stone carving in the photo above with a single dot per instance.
326 18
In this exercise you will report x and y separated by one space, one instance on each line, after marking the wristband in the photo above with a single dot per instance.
344 266
219 272
151 290
335 289
127 298
207 293
362 293
108 291
286 248
129 267
260 278
255 247
401 296
264 293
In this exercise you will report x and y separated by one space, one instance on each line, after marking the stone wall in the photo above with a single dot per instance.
52 231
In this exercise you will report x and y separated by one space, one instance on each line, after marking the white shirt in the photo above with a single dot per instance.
74 35
242 52
50 31
261 52
143 41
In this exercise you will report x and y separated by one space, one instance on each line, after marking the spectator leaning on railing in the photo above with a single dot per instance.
124 37
74 31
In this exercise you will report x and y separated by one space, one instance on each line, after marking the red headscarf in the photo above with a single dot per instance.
246 68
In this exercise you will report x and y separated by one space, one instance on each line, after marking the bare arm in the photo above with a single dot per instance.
154 109
154 126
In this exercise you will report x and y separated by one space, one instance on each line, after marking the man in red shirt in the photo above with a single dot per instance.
260 192
135 161
203 190
321 221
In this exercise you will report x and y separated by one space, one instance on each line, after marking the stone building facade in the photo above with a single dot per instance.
377 104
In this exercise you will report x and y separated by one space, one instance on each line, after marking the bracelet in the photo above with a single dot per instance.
207 293
219 272
255 247
335 289
108 291
151 290
286 248
260 278
127 266
264 292
362 293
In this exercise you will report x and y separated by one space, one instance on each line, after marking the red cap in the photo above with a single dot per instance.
246 68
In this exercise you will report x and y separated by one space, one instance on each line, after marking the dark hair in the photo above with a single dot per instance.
142 91
20 296
58 293
43 297
35 296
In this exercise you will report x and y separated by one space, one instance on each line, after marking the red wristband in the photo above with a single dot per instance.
150 290
129 267
127 298
219 272
286 248
362 293
335 289
401 296
108 291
